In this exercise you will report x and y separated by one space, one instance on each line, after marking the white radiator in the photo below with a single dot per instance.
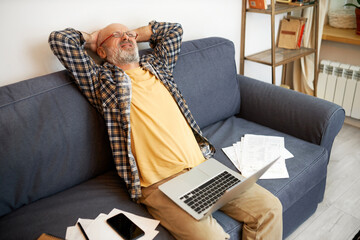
340 83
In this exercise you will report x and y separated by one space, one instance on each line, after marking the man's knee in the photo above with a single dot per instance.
275 204
206 229
272 211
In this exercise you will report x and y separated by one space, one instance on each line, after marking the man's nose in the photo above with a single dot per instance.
124 37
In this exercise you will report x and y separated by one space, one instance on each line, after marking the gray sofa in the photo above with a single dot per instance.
56 163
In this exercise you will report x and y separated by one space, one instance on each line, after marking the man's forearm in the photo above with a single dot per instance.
144 33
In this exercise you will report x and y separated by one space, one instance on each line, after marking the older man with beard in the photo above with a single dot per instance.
122 51
152 133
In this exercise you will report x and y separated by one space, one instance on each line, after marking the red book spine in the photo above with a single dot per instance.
301 35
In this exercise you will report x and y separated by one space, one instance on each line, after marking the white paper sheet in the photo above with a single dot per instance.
231 154
255 151
74 232
98 229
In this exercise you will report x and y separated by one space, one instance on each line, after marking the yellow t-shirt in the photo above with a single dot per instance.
162 141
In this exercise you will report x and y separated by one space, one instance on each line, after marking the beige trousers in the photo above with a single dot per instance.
257 208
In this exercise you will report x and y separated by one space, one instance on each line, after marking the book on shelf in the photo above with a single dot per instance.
283 1
258 4
302 28
291 32
297 2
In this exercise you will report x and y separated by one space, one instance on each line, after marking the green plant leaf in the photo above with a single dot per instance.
352 5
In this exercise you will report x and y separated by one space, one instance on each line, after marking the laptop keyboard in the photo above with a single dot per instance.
208 193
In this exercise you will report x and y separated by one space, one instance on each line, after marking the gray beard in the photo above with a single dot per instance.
121 57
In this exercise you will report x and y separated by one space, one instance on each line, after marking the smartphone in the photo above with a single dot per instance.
126 228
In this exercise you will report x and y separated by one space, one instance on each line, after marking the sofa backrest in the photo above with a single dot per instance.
206 75
51 138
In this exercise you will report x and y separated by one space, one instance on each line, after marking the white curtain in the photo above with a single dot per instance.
303 69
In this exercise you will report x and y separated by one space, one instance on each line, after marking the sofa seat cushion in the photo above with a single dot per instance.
55 213
306 170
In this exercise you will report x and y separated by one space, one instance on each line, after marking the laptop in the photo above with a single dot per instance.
208 186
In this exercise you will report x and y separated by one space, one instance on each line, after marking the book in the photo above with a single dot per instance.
302 27
291 32
297 3
258 4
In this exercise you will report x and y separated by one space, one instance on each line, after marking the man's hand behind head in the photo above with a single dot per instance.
91 40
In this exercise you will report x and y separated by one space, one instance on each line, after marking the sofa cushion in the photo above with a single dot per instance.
52 139
307 169
206 75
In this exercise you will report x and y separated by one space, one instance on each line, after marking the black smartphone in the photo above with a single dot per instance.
126 228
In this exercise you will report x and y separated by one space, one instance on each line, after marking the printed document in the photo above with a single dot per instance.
255 151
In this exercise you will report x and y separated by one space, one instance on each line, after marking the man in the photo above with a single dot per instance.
152 133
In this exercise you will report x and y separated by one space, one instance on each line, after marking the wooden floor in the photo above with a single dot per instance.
338 216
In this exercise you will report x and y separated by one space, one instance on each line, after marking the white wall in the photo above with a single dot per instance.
25 26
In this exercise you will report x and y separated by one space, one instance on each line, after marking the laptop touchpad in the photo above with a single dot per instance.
194 177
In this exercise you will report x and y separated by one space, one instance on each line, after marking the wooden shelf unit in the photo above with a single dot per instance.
277 56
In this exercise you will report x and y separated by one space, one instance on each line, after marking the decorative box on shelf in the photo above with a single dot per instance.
342 18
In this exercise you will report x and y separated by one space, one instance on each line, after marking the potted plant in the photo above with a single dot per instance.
357 13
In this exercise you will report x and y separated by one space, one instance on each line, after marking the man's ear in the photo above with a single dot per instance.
101 52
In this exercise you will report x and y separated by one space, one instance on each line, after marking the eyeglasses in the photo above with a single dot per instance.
130 34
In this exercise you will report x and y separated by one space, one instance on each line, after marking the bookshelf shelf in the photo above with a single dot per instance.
277 56
279 8
282 56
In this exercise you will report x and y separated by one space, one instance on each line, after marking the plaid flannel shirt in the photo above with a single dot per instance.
108 89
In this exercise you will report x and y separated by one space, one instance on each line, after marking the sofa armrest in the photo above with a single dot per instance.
302 116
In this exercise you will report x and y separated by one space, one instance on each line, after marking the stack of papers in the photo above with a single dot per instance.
97 228
255 151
